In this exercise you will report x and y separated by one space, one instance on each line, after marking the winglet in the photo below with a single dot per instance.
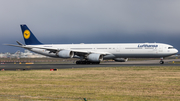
28 36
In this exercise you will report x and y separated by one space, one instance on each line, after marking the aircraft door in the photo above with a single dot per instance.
160 49
118 48
155 50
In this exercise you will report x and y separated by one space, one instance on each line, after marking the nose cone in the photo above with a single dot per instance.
176 51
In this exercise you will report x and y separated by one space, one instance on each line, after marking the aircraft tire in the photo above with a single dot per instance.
86 62
95 62
161 62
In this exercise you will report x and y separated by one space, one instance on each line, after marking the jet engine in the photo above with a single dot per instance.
120 59
95 57
65 54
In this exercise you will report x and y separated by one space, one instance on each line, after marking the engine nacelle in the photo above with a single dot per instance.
95 57
120 59
65 54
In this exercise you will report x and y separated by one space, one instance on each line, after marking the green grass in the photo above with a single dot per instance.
99 84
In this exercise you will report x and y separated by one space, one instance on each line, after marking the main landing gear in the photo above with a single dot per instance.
161 61
86 62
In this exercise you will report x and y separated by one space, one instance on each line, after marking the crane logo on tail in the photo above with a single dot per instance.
27 34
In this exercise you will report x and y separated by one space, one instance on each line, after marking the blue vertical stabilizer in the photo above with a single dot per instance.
28 36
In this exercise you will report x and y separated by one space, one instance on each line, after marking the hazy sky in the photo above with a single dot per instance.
91 21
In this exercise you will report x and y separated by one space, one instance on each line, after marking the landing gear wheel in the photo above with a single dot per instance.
95 62
77 62
86 62
161 62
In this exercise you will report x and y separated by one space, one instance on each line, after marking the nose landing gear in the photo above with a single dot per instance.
161 61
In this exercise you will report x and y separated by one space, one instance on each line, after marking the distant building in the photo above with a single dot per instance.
3 55
18 54
29 54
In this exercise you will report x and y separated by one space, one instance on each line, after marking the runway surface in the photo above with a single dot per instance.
66 66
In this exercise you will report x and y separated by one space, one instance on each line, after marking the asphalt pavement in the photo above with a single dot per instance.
67 66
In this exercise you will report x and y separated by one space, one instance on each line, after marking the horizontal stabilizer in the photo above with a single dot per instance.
14 45
19 43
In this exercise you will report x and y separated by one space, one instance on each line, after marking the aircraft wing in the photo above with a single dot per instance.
77 52
54 50
90 52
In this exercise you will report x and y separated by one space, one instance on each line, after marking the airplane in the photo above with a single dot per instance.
95 53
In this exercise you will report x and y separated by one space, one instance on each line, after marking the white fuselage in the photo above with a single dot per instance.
127 50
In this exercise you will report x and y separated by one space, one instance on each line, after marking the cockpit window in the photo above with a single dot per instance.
170 47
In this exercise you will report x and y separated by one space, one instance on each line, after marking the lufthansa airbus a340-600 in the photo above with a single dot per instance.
95 53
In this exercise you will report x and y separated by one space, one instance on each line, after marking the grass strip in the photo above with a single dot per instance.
102 84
